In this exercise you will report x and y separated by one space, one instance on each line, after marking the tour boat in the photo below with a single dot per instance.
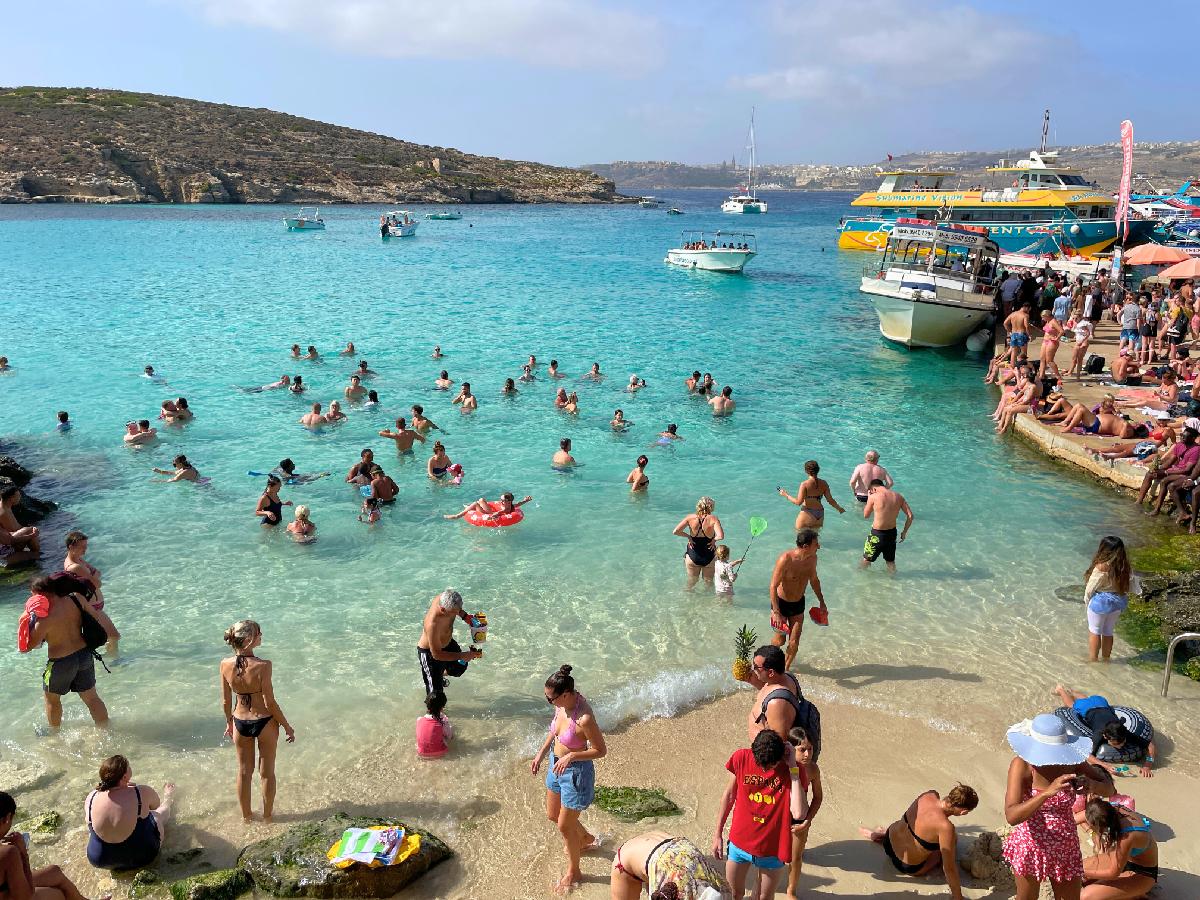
399 223
307 219
748 202
1042 207
445 216
719 251
650 202
935 284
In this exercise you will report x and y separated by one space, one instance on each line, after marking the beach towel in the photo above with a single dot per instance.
379 845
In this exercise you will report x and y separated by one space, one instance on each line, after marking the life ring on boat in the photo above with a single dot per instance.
1137 724
475 517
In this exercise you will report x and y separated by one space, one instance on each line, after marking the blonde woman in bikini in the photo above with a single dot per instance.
808 498
254 720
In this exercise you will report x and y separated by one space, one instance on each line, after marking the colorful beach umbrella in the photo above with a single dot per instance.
1154 255
1188 269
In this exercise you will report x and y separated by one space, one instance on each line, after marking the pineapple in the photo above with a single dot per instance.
743 645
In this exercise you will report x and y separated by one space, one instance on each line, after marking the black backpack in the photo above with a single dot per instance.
1094 364
808 716
94 635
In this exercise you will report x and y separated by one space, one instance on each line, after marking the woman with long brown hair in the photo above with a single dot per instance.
259 716
1109 579
1125 864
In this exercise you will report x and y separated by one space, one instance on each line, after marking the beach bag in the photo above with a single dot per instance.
94 635
1094 364
36 607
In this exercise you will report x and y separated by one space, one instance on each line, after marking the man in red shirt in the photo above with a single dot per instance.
759 794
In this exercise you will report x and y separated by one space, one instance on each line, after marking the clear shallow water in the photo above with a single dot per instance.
969 636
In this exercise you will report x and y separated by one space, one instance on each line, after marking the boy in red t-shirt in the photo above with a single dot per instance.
759 794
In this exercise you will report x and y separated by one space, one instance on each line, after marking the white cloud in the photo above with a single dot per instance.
840 50
569 34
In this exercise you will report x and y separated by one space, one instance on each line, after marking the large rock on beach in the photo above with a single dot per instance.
293 864
224 884
982 859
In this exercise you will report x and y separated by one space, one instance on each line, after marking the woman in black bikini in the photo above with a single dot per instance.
930 815
703 532
259 719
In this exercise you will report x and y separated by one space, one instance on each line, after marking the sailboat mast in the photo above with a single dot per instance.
1045 131
750 177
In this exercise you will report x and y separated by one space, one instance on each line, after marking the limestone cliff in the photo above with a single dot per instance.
102 146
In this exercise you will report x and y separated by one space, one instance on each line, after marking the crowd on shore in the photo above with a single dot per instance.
1153 408
1058 777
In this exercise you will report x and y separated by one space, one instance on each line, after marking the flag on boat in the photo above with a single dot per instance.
1126 179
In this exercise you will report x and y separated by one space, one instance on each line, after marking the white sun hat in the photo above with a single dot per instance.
1045 741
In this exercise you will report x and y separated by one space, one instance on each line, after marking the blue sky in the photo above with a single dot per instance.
577 81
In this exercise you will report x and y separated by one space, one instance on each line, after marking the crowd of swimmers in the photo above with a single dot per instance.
774 791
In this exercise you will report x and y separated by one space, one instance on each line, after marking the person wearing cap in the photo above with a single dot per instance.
438 653
1049 769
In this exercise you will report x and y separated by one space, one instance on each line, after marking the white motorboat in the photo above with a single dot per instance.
747 202
398 223
718 251
307 219
935 284
450 216
650 202
674 211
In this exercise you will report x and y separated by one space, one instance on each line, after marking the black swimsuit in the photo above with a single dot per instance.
250 728
275 508
700 549
901 866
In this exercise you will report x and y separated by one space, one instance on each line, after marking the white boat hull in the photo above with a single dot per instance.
744 207
710 260
402 230
303 225
925 320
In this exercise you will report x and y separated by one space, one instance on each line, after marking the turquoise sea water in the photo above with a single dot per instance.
969 635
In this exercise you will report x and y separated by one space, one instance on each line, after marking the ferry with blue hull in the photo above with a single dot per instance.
1045 208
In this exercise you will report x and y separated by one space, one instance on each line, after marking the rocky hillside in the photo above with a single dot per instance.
102 146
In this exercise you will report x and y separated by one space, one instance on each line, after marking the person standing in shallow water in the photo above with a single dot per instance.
703 531
795 571
574 743
884 507
808 498
253 722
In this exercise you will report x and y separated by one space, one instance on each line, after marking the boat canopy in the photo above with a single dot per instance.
714 239
922 244
912 180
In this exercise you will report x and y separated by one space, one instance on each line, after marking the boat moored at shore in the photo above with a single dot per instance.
718 251
935 284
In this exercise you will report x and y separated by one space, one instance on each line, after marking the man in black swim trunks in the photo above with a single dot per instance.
437 651
794 571
71 665
885 506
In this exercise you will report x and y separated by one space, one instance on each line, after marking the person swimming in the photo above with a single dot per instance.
618 422
637 477
670 436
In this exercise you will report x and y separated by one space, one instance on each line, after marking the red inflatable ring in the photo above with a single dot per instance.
475 517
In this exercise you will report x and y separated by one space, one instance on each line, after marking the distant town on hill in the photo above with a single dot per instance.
1164 165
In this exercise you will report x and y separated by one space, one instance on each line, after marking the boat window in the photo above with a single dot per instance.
1074 179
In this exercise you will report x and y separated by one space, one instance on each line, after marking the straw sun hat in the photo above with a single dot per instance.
1045 741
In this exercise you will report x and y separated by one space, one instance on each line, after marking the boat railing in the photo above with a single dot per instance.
1175 641
971 283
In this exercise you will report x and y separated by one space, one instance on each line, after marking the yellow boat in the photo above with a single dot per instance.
1041 207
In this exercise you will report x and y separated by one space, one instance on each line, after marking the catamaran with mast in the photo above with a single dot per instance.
749 201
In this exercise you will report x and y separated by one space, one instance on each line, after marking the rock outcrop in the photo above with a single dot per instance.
293 864
81 145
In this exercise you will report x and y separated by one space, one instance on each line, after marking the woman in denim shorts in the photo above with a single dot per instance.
574 742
